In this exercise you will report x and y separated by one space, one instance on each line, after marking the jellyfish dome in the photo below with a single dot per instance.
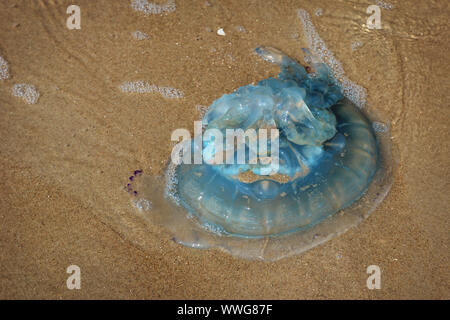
327 155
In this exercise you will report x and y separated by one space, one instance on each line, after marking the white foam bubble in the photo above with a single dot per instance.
172 183
202 110
4 69
351 90
153 8
142 204
356 45
380 126
213 228
385 5
139 35
145 87
27 92
318 12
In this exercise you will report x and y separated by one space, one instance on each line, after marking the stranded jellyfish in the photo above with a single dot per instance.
331 169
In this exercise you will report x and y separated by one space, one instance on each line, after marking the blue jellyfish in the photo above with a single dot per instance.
327 156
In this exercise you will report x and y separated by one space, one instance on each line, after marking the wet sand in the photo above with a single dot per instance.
65 160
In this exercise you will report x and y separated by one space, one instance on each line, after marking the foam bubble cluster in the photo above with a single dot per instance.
4 70
171 179
145 87
385 5
139 35
27 92
380 126
202 110
356 45
142 204
351 90
318 12
153 8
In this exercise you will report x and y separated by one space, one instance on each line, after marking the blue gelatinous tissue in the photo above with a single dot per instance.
328 150
328 157
296 103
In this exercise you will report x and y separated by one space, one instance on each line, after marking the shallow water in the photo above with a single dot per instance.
85 137
163 207
211 209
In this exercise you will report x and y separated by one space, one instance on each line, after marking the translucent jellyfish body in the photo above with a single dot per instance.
332 169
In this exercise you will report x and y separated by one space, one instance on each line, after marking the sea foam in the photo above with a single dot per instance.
139 35
351 90
145 87
385 5
153 8
4 69
27 92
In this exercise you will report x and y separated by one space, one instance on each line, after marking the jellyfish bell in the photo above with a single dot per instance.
332 169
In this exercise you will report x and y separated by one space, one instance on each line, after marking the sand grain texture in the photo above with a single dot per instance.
65 160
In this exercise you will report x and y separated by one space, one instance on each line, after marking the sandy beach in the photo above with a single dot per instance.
66 155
